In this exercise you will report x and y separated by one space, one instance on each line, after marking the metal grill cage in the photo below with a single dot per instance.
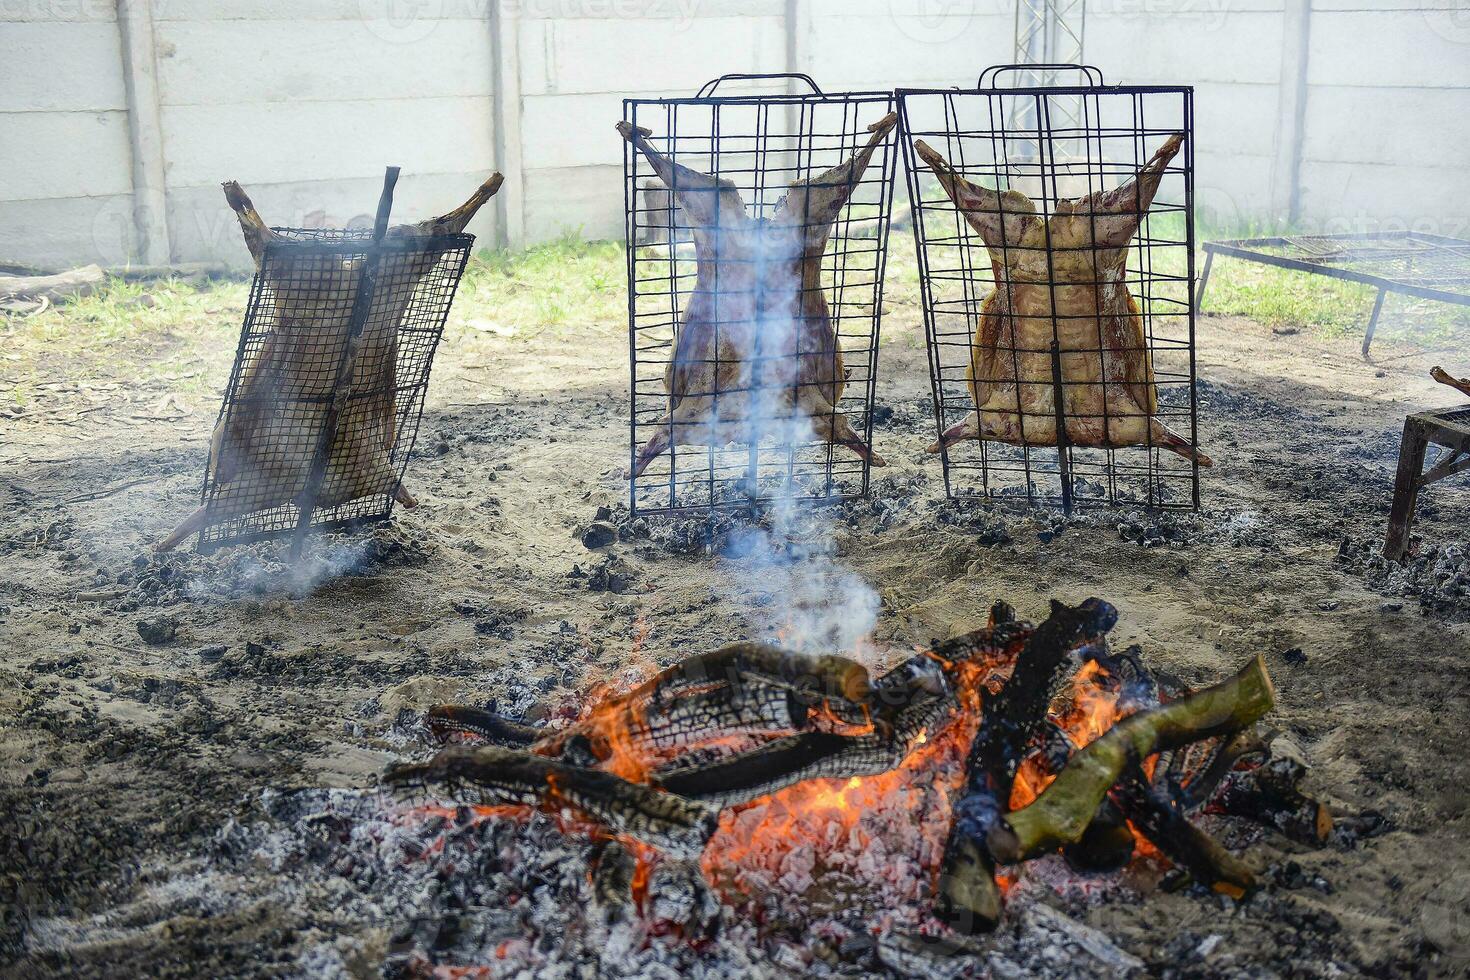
1058 144
327 390
752 387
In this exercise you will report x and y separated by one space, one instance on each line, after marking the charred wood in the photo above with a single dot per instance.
1106 845
1268 794
1164 823
671 823
1062 812
969 897
445 720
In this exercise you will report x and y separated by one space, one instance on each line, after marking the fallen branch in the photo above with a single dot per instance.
57 288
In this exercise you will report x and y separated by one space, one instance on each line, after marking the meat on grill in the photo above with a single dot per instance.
1061 280
262 448
755 353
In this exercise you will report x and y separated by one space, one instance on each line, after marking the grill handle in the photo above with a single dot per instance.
708 88
1094 74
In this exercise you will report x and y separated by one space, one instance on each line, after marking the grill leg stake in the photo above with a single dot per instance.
361 306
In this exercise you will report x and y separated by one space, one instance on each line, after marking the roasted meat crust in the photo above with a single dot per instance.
1061 281
756 353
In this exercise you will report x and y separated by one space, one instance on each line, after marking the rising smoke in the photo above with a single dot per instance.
815 604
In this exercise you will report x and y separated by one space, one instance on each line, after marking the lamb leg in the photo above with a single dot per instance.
257 233
968 429
1002 219
812 205
187 526
453 222
705 200
1110 218
1165 438
832 426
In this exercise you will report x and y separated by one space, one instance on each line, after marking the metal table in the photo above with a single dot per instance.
1427 266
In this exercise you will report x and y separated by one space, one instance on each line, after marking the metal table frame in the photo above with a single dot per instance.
1319 262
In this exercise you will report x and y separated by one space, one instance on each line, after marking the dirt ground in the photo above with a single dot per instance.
122 758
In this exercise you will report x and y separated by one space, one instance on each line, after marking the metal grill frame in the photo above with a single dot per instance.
416 335
698 478
1142 476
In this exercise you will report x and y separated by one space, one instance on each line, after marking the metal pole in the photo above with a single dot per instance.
362 305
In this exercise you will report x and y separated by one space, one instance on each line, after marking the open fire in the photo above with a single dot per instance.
794 785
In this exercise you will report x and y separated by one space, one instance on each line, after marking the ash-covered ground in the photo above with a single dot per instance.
190 746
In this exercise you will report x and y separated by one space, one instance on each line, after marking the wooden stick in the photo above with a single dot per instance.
969 899
1062 812
1462 385
1163 822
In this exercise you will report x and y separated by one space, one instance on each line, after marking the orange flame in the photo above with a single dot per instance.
863 826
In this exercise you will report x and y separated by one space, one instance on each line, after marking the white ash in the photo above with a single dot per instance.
360 878
1437 577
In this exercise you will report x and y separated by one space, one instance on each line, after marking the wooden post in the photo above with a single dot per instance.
1373 321
1405 488
361 308
145 133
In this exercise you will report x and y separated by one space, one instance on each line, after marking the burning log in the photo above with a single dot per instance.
743 725
1060 295
967 888
757 322
1269 794
668 822
262 451
445 720
1164 823
1062 811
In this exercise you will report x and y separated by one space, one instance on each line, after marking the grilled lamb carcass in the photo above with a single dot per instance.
1077 259
755 350
262 449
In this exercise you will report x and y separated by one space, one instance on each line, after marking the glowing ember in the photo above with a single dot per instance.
801 788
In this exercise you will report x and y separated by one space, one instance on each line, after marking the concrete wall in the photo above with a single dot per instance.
64 157
1345 114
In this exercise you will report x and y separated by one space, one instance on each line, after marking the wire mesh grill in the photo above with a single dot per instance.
327 390
1057 296
1436 266
757 232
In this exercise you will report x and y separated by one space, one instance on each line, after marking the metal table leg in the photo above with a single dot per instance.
1373 320
1204 279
